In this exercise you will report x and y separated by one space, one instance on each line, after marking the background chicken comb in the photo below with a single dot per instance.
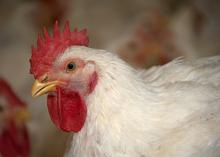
9 95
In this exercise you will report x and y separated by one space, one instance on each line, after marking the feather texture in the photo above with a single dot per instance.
167 111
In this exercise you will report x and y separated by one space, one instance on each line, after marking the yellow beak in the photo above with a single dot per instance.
39 88
22 115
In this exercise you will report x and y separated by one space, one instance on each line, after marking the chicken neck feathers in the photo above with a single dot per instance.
167 111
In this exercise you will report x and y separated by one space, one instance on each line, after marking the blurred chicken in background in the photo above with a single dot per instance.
196 26
14 137
17 33
151 42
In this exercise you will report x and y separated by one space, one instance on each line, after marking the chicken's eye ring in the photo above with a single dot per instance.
70 67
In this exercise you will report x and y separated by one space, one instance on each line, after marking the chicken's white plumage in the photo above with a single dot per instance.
168 111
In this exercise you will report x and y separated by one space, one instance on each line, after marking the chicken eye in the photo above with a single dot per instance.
70 67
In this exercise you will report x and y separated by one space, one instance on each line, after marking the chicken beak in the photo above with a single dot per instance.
41 88
22 115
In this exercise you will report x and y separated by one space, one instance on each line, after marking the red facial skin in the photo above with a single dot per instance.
66 105
14 139
92 82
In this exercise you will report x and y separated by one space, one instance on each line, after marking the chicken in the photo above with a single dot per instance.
14 137
115 110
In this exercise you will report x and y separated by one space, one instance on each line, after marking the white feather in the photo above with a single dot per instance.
167 111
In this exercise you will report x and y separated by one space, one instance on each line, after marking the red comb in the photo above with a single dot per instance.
49 47
7 92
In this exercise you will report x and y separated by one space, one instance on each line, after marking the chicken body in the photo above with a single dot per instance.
167 111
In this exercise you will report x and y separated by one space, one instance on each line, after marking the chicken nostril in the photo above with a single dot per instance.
44 79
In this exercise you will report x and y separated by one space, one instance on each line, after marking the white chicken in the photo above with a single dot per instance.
118 111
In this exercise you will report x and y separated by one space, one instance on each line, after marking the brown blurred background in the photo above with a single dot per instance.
142 32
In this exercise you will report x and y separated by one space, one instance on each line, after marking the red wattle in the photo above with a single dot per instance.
67 110
14 141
